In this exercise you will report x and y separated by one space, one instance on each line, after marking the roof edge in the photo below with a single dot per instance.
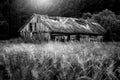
27 22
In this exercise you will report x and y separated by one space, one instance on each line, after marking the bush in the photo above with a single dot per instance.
110 22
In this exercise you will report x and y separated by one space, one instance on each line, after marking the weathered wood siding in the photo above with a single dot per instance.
75 37
36 31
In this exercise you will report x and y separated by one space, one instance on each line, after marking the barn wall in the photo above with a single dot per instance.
91 38
46 36
75 37
36 36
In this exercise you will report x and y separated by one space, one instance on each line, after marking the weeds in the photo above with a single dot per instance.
61 61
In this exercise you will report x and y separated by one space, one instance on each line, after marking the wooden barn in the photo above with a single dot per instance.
45 28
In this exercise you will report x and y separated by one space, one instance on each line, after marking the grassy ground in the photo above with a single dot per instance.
60 61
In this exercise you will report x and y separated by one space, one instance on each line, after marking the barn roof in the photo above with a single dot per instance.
70 25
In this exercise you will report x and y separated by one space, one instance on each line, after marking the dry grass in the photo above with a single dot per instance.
61 61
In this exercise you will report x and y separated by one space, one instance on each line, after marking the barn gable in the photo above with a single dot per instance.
36 22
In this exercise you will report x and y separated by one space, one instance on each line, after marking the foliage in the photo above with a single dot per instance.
86 15
110 22
61 61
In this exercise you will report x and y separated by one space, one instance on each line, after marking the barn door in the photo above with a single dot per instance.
33 27
30 27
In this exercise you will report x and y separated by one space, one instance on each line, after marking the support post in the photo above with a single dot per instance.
78 37
68 37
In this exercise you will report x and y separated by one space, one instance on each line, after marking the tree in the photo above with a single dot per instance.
110 22
86 15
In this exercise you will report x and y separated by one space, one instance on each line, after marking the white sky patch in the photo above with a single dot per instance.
43 6
40 4
54 7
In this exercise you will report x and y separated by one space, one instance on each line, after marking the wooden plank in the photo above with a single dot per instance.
75 33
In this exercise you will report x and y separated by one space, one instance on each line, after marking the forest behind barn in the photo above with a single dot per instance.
106 13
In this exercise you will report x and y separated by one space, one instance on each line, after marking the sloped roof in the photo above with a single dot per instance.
70 25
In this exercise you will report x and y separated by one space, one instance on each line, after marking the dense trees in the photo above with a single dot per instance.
110 22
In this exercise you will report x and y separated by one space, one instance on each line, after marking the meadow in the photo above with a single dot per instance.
60 61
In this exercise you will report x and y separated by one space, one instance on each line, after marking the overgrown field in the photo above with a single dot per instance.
60 61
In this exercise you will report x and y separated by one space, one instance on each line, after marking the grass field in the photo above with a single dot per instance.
60 61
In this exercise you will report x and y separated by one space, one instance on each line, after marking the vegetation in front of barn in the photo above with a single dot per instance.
21 40
60 61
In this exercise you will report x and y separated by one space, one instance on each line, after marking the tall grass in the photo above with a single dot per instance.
60 61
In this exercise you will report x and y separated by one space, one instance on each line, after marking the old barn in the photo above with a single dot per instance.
45 28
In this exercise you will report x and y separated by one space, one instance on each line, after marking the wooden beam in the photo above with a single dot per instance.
75 33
